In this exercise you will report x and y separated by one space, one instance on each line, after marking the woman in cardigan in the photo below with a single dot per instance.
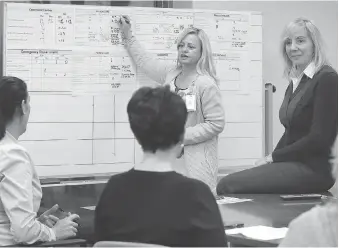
194 78
309 112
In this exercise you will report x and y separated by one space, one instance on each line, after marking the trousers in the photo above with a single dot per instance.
276 178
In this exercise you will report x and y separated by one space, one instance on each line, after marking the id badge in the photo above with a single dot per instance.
190 102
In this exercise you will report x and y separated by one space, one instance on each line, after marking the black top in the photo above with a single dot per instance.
310 118
162 208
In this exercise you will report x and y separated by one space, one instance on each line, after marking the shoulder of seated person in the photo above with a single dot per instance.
315 216
327 72
327 69
13 149
192 184
13 158
118 176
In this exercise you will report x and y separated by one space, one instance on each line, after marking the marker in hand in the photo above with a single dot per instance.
126 19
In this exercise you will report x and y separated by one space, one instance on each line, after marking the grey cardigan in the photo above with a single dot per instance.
202 126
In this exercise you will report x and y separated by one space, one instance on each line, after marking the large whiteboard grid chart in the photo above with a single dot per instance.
80 79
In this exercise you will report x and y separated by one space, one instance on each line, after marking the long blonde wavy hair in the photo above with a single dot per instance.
205 65
319 55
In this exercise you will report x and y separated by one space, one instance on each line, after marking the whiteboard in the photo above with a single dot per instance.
80 79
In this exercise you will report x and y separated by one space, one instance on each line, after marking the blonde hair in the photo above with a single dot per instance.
205 65
319 56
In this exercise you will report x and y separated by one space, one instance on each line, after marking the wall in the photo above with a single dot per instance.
276 14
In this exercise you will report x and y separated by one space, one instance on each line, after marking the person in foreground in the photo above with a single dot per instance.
317 227
20 191
152 203
194 79
300 163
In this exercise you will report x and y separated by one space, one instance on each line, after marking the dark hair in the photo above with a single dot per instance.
157 118
13 91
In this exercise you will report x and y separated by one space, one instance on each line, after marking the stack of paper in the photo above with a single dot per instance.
260 232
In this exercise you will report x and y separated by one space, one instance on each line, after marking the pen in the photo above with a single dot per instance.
61 209
126 19
238 225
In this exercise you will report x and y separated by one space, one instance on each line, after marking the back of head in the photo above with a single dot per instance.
319 54
12 92
157 118
205 65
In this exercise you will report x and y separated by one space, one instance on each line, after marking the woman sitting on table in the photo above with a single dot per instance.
309 112
20 191
194 79
151 203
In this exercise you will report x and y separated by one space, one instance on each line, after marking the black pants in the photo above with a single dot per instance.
275 178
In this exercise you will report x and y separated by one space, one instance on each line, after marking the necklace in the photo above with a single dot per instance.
177 89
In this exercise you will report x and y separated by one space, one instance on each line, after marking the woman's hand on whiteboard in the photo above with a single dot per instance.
125 27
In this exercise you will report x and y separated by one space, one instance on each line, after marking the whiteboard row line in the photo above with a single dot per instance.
114 151
104 131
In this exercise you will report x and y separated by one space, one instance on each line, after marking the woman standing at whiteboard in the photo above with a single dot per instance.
194 78
300 163
20 191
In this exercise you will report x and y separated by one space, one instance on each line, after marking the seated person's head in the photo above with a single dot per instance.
14 105
157 118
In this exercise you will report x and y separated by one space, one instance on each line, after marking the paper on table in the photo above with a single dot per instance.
230 200
260 232
89 208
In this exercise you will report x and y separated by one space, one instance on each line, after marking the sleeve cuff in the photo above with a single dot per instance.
130 41
274 157
52 235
